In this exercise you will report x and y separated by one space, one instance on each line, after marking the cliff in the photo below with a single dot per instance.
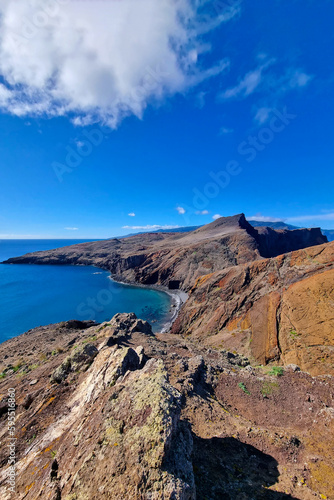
273 242
278 309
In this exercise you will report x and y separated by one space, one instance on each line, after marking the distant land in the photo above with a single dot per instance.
255 223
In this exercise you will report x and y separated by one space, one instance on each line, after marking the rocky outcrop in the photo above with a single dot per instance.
160 417
277 309
79 359
169 258
112 431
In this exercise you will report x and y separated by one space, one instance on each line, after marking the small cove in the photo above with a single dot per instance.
32 296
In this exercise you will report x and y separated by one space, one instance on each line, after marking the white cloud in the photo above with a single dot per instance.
71 228
263 218
248 84
71 58
181 210
269 79
202 212
154 227
316 217
298 79
217 216
262 115
20 236
132 214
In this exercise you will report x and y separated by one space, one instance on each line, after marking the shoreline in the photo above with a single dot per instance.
179 297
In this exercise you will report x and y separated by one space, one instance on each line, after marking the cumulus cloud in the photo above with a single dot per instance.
132 214
181 210
100 61
154 227
217 216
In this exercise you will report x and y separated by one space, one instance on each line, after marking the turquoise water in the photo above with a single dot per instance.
32 296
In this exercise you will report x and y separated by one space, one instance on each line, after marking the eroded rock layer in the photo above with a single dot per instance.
277 309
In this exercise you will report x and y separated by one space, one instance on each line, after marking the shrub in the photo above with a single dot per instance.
243 387
277 371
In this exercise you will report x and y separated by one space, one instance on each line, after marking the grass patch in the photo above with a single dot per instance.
17 367
104 326
90 339
2 375
268 388
32 367
243 387
277 371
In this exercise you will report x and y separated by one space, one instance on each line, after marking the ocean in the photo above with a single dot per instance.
32 296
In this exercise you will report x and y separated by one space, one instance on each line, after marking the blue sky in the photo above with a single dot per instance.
172 118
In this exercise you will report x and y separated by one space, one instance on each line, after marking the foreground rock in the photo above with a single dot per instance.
160 417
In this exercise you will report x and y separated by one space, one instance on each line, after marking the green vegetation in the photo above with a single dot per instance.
2 375
32 367
268 388
293 333
31 439
104 326
277 371
90 339
243 387
17 367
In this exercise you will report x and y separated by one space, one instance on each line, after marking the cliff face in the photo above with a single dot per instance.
113 412
275 309
273 242
160 258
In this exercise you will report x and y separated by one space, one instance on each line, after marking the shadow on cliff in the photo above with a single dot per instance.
228 469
